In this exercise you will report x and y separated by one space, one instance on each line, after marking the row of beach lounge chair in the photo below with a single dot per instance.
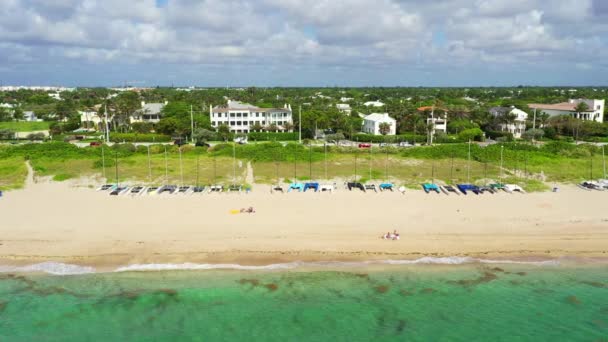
138 190
465 189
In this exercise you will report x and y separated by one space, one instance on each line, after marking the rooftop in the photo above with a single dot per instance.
565 106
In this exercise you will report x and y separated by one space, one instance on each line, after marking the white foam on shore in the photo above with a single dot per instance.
50 267
57 268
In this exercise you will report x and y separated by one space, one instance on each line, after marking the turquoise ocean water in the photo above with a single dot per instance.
472 302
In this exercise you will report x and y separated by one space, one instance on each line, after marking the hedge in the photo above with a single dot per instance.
273 136
138 137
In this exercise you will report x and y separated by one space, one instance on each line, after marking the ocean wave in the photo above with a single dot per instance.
57 268
50 267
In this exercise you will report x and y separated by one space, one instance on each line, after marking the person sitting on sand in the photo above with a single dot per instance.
395 235
386 236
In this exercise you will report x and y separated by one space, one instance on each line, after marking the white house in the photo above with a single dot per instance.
595 111
241 116
373 104
344 108
518 126
346 99
437 118
371 123
149 112
30 116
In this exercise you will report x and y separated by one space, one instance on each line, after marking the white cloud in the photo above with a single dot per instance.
321 33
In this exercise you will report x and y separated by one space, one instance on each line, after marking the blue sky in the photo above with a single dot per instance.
303 42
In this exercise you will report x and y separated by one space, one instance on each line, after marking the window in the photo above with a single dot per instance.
238 123
231 123
231 115
598 107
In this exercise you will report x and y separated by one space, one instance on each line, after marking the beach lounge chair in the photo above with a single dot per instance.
447 189
153 190
510 188
167 189
235 188
106 187
276 188
216 188
296 186
354 185
468 187
137 190
198 189
497 187
371 187
484 189
428 187
326 187
386 186
121 190
313 186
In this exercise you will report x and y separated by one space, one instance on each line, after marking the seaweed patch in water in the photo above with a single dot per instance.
382 288
3 306
362 275
595 284
486 277
272 286
573 300
252 282
401 325
406 293
428 290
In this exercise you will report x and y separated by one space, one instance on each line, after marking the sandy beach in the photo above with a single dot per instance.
50 221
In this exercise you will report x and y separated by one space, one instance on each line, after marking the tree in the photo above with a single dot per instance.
533 134
167 126
288 126
125 105
203 135
581 107
224 131
256 127
335 138
471 134
18 114
384 128
5 115
142 127
272 128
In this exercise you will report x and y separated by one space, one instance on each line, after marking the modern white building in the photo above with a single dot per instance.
346 99
373 104
344 108
372 122
437 119
594 113
149 112
241 116
30 116
518 126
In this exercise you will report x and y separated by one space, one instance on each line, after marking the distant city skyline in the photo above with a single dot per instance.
265 43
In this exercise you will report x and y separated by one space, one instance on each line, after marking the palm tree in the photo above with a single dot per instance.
384 128
581 108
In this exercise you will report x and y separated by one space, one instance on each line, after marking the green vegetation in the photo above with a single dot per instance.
23 126
533 167
12 173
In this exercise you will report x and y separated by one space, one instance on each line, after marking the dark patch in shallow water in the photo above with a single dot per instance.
521 273
497 269
573 300
401 325
486 277
3 306
272 286
252 282
428 290
382 288
362 275
406 293
595 284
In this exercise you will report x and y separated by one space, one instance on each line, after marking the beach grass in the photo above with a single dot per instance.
12 173
24 126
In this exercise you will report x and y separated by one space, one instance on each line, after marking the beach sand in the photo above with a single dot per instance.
51 221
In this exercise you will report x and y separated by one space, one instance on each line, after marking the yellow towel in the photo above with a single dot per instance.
235 211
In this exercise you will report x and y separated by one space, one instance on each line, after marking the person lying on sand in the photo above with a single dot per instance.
249 210
391 236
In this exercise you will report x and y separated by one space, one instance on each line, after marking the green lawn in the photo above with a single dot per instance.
19 126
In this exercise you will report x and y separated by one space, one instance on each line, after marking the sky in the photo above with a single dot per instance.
341 43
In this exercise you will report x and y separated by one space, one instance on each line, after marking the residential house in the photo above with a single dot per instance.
149 112
371 123
373 104
30 116
241 116
594 113
346 99
344 108
516 127
437 118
